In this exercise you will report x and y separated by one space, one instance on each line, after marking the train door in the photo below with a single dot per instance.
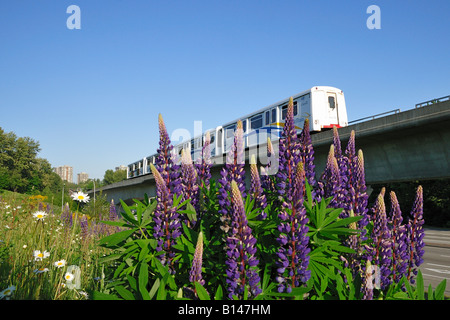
217 142
333 117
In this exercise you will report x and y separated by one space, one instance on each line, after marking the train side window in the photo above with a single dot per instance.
274 115
256 122
331 102
295 108
267 117
211 139
283 112
230 131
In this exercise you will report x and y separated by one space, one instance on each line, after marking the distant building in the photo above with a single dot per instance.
65 172
121 167
82 177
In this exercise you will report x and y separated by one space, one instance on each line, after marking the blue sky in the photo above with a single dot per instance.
91 97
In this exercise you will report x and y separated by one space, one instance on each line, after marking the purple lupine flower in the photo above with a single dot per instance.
195 274
241 250
307 155
398 236
235 159
204 162
164 162
167 222
270 169
189 186
367 286
256 191
233 170
331 180
289 156
361 197
416 235
66 216
84 225
382 244
293 259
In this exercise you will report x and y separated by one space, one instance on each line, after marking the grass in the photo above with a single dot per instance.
37 278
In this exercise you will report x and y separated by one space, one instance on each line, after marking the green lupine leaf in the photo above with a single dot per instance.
124 293
154 288
201 291
103 296
143 281
420 286
117 237
440 290
127 214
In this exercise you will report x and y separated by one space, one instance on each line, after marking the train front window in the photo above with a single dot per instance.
331 102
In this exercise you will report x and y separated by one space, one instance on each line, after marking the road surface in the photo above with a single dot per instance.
436 265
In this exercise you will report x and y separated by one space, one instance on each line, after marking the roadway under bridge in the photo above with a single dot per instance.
405 146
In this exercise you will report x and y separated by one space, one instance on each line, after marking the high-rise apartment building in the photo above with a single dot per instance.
82 177
65 172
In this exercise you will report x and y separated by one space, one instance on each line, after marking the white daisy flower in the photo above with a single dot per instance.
60 263
40 215
7 292
38 255
80 197
69 276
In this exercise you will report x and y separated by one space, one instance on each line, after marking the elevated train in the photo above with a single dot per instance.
323 105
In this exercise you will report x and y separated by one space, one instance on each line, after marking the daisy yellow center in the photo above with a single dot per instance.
7 292
59 263
40 216
40 255
80 197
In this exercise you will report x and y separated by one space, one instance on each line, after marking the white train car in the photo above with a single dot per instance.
324 107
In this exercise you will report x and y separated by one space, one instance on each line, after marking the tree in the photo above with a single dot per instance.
114 176
20 168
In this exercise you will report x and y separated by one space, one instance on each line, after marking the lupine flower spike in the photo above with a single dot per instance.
241 250
189 186
167 223
382 245
270 169
256 190
164 161
307 155
204 162
416 234
398 237
293 259
195 275
233 171
288 155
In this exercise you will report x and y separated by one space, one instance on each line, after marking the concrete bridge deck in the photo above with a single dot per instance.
409 145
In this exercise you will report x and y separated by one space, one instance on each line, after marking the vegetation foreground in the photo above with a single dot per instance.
289 236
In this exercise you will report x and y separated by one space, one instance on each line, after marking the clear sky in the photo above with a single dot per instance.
92 96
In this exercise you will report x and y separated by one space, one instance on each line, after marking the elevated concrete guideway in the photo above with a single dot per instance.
409 145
